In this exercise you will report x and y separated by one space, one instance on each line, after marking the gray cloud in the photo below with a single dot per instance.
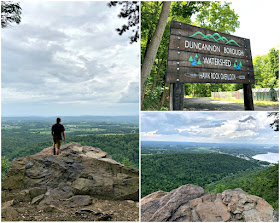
247 119
208 127
131 94
68 52
212 125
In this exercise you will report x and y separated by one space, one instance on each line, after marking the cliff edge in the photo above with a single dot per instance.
82 183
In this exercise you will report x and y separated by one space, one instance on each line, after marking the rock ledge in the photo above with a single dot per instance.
74 178
191 203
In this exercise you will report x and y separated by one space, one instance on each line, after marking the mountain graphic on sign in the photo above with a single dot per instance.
216 37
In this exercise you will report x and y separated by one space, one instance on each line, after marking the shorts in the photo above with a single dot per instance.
58 142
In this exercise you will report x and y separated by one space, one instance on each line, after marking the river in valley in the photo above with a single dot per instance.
269 157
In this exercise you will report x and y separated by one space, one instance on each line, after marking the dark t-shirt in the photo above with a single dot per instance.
57 129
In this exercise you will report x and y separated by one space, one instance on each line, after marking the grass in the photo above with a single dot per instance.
112 134
205 148
261 103
10 127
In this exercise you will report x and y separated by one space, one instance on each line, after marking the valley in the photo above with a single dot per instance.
244 151
214 166
116 135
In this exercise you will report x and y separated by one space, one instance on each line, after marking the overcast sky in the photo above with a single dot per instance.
65 58
258 22
212 127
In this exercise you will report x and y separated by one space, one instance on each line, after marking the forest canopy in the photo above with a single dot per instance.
169 171
259 182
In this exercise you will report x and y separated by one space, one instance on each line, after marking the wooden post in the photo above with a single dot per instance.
248 97
178 96
171 97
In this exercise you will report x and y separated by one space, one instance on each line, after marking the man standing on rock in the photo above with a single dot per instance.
57 129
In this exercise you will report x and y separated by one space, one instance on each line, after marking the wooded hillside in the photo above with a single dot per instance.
169 171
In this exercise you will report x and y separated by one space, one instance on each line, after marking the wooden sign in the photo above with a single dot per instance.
199 55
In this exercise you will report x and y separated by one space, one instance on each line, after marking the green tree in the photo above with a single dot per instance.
219 17
10 13
275 124
169 171
127 162
129 11
152 48
266 69
5 165
260 182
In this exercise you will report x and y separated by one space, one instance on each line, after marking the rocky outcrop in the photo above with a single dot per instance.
191 203
78 175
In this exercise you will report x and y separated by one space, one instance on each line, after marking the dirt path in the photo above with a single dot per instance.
207 104
100 210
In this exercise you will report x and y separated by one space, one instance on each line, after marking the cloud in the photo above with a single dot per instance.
68 53
209 126
152 133
168 131
247 119
212 125
130 94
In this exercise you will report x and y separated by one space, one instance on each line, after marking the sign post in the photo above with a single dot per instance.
199 55
248 97
178 96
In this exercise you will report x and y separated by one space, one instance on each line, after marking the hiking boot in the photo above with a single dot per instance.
53 150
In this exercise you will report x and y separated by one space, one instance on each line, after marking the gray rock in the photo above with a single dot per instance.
172 201
78 170
36 200
86 210
80 200
150 204
9 213
8 203
82 186
54 196
36 191
22 196
50 208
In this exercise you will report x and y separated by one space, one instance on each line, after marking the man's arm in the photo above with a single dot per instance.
63 135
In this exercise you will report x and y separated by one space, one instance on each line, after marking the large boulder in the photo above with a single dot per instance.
191 203
47 179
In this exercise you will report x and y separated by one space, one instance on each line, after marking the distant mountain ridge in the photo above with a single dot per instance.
130 119
242 150
145 143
